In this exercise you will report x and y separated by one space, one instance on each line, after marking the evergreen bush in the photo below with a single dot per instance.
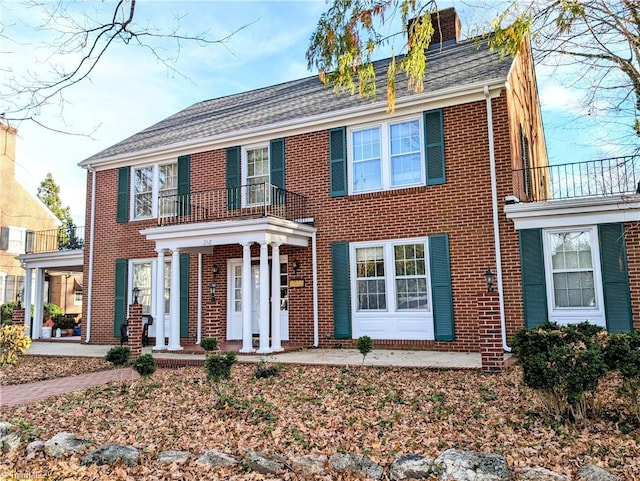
218 366
364 344
623 354
145 365
119 356
209 344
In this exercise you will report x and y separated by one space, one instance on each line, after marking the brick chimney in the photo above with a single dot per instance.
7 151
446 26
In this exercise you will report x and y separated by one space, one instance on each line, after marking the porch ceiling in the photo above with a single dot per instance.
62 261
201 237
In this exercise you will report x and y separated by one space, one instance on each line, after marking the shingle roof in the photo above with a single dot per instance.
466 63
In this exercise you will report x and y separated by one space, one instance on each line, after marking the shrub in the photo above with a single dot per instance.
6 311
364 345
145 365
623 354
218 366
52 310
265 369
209 344
13 341
563 365
119 356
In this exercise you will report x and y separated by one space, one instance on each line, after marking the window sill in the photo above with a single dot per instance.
418 189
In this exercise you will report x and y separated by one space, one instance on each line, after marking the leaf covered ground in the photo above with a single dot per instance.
33 369
378 412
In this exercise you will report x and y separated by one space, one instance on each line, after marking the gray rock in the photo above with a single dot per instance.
265 464
110 453
471 466
168 457
9 442
591 472
540 474
216 458
65 443
5 428
310 464
33 448
356 463
411 466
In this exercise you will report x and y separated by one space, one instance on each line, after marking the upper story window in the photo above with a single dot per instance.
256 173
17 238
386 156
150 183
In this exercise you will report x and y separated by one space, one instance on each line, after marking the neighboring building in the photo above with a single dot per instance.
299 216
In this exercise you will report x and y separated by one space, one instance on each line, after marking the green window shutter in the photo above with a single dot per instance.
341 290
184 295
534 286
120 296
124 174
615 278
233 178
277 174
338 161
184 184
441 292
434 147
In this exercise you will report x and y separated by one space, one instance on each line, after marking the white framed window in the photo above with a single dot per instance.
17 238
77 297
385 156
572 269
256 174
148 184
390 289
142 274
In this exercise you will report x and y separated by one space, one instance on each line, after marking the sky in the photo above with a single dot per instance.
131 90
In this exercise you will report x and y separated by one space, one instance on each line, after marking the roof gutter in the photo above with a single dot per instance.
496 225
92 223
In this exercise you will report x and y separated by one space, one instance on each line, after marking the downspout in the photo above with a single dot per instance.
314 259
92 223
496 226
199 328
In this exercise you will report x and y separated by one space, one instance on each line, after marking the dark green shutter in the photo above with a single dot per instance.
124 174
277 165
184 184
233 178
120 296
434 147
534 286
184 295
341 290
441 292
615 278
338 161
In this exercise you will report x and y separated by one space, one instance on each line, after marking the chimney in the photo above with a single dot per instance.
446 26
7 150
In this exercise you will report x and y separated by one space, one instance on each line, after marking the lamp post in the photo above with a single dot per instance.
136 293
490 277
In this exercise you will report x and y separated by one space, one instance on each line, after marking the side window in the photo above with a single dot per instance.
256 172
17 239
153 190
143 192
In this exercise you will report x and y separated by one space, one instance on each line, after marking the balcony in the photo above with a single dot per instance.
236 203
594 178
54 240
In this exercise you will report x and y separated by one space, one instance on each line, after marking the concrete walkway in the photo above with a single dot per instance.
27 393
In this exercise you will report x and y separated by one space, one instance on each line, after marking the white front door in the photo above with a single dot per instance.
234 289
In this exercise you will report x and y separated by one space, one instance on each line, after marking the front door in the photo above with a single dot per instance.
234 315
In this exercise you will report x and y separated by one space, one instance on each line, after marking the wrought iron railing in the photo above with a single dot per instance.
66 238
242 202
594 178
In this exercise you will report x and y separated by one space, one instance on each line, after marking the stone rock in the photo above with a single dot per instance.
310 464
540 474
9 442
472 466
5 428
33 448
265 464
64 443
356 463
216 458
411 466
168 457
591 472
110 453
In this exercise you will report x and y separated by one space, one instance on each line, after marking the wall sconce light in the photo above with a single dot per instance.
296 266
490 277
215 270
136 293
212 292
19 299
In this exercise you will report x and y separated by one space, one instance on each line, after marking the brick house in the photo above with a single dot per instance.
290 215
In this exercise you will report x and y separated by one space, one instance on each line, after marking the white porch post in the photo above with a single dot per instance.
264 299
39 304
246 299
159 296
174 325
28 279
276 338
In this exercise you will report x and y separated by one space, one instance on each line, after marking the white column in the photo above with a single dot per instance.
246 299
39 304
159 296
276 338
174 324
28 279
264 299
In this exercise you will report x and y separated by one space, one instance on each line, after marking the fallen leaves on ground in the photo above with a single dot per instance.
36 368
381 413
